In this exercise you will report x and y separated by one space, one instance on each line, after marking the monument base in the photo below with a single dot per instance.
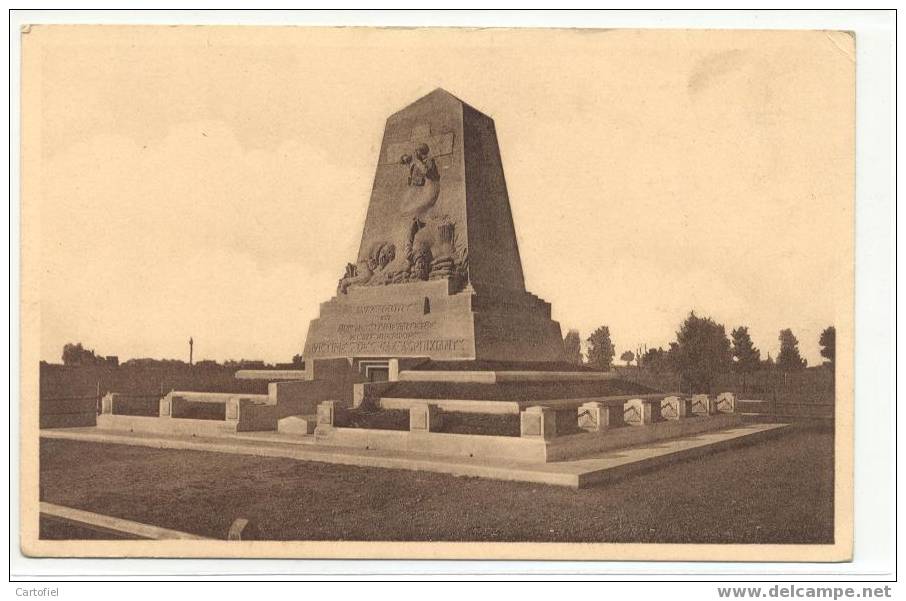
433 320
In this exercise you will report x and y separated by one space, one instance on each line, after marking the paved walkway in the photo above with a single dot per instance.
574 473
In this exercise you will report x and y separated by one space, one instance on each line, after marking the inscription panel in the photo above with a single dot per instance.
392 329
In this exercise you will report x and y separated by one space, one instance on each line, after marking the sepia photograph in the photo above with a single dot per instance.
437 293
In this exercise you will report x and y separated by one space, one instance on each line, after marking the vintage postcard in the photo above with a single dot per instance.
437 293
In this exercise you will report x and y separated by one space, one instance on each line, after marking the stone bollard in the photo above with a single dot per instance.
642 412
726 402
674 407
538 422
702 403
425 418
107 403
595 416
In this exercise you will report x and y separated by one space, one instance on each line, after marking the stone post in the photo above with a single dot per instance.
592 416
595 416
643 412
538 422
326 414
107 403
424 418
726 402
393 370
165 407
675 407
231 411
358 394
701 403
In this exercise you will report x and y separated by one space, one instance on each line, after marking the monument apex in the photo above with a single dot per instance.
438 272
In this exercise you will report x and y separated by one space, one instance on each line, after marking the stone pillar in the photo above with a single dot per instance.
326 414
165 407
538 422
702 403
595 416
231 411
358 394
393 370
592 416
107 403
675 407
424 418
642 412
726 402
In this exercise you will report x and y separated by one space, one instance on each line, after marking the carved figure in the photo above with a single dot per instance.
423 182
421 263
356 274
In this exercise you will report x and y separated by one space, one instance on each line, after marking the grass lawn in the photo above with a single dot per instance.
778 491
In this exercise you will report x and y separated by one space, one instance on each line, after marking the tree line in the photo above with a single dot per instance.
75 354
702 350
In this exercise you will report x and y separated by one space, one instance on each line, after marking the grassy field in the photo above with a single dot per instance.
779 491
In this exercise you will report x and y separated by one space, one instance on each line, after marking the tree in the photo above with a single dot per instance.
628 357
747 357
298 360
789 358
572 347
828 342
701 352
655 360
76 354
600 349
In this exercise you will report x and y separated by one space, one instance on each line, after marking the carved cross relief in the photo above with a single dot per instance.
439 145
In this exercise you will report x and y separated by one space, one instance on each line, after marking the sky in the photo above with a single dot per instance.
213 182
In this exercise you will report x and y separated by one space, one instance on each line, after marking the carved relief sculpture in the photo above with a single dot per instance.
429 247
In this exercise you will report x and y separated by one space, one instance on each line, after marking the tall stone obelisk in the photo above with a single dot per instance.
438 272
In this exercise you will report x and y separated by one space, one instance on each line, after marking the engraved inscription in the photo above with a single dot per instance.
388 346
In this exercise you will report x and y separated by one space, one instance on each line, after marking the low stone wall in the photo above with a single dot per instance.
129 404
272 375
433 443
498 407
547 433
524 449
157 425
228 413
496 377
301 397
256 416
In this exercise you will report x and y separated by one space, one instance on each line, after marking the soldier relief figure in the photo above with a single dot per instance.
426 245
424 182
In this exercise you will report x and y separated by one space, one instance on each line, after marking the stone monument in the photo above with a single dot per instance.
438 273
